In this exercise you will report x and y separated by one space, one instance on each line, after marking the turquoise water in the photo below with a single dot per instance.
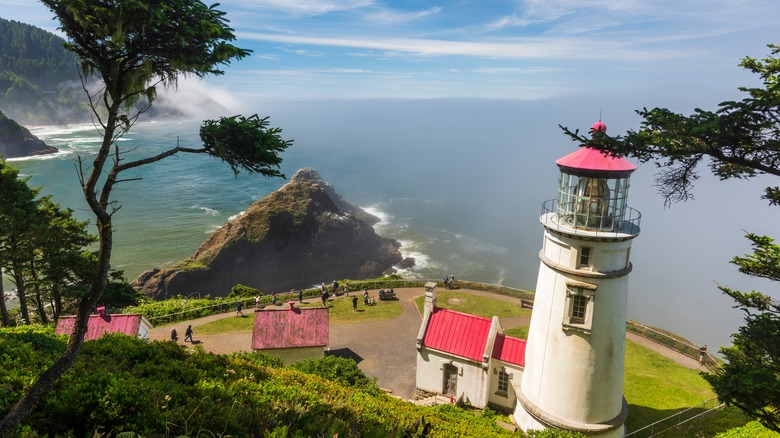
177 202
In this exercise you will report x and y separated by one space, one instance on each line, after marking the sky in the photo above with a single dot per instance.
537 49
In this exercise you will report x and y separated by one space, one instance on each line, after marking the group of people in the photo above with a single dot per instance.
355 300
187 334
449 282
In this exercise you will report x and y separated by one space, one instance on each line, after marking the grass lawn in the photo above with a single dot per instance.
474 304
657 387
517 332
340 311
228 324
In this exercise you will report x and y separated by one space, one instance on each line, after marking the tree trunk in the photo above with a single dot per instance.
37 289
41 307
3 308
21 292
45 383
56 305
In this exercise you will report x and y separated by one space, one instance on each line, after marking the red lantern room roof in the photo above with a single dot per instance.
589 160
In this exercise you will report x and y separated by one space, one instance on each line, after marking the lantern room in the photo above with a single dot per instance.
593 189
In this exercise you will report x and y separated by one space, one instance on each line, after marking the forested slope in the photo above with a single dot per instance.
39 82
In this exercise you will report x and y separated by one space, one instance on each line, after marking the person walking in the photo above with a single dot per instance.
324 297
300 295
702 354
365 297
354 303
257 301
238 309
188 333
174 335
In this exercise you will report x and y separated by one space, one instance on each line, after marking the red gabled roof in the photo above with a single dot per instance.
101 324
510 350
290 328
587 158
457 333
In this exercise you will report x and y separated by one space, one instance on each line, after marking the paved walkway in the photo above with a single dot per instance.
383 349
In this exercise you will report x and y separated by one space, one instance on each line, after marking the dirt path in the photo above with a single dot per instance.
383 349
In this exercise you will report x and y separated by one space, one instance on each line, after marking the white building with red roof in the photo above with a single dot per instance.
102 323
292 334
467 356
569 374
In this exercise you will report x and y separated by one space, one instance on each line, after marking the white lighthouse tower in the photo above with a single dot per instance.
573 377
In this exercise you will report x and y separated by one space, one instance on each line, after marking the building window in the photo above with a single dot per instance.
503 383
585 257
579 307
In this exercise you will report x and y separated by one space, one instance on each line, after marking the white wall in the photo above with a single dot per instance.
472 378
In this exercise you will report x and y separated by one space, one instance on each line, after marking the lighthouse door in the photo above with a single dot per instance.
450 379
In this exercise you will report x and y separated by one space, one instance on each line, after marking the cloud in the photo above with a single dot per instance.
303 7
388 16
506 22
507 48
515 70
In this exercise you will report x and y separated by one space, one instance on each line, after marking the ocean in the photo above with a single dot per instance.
459 183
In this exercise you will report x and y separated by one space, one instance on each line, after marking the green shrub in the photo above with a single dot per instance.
241 291
341 370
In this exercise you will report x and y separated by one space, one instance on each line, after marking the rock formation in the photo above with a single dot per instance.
301 235
17 141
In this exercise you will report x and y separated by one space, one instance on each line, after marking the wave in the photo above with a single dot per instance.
236 216
376 210
49 131
210 211
59 154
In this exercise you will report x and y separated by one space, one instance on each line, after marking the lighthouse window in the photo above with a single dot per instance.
579 305
584 257
579 308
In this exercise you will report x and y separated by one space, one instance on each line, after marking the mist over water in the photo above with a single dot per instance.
459 183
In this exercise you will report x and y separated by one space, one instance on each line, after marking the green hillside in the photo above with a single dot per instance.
39 82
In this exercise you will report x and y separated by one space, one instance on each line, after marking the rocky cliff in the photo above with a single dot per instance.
17 141
302 234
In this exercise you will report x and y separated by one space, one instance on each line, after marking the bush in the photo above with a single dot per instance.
241 291
341 370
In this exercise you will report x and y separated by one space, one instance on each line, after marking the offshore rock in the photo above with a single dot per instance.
302 234
16 141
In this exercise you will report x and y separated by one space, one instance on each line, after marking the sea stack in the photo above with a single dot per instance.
300 235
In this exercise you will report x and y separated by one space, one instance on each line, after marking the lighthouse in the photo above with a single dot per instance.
573 377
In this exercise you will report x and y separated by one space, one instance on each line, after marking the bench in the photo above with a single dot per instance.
386 294
526 304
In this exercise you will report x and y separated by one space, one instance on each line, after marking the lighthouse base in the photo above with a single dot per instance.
529 416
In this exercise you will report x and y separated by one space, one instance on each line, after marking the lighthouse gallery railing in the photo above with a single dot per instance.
591 225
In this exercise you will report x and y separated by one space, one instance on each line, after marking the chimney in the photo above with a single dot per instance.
430 297
102 311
